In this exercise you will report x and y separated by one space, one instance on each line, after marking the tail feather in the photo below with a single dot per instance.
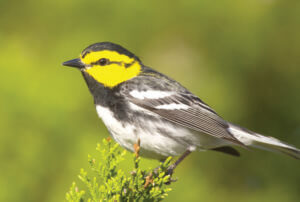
250 138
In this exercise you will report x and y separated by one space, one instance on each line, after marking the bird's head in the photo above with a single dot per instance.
108 63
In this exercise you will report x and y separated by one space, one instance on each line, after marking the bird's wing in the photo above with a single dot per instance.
184 109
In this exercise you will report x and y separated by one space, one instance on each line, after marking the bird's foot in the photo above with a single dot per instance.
170 172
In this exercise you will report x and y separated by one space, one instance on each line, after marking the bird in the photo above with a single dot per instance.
138 103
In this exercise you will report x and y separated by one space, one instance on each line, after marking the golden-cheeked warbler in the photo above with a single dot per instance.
136 102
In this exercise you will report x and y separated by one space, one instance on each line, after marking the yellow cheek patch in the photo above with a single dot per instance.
113 74
111 55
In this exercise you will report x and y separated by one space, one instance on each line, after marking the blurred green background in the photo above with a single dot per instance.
240 57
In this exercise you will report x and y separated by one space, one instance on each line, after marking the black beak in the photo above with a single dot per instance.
74 63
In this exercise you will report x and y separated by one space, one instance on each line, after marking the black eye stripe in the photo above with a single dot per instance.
115 62
102 62
129 64
105 61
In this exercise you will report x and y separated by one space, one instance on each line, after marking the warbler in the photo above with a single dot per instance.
135 102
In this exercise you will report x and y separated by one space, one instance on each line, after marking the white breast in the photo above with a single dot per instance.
153 143
124 134
159 138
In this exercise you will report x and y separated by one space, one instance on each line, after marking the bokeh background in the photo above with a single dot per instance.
241 57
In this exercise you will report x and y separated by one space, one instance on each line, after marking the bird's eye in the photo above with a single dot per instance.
103 61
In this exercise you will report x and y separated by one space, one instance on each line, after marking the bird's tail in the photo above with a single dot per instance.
252 139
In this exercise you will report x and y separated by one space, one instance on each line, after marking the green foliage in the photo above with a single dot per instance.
109 183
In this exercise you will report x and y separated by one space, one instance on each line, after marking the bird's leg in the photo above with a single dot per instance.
137 148
174 165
